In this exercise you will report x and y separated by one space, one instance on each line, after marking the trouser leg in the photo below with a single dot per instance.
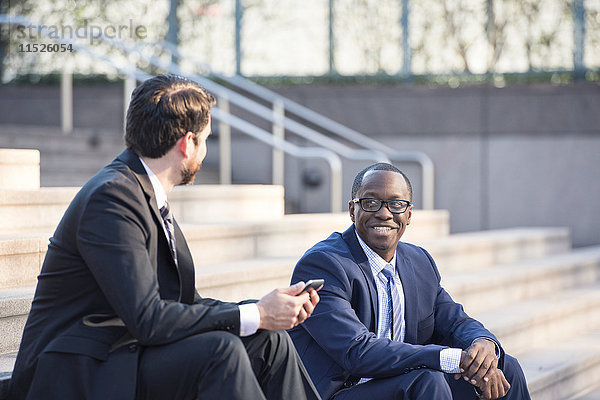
415 385
212 365
278 367
514 375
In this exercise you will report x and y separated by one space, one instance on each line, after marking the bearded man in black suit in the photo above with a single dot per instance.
116 314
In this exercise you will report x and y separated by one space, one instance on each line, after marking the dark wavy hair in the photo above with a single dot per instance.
378 167
162 110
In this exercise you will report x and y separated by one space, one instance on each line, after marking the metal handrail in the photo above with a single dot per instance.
254 107
330 157
334 161
419 157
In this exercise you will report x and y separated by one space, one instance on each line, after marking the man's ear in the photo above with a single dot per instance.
351 210
409 216
186 145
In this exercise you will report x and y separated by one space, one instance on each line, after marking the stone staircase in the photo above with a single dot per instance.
71 159
527 285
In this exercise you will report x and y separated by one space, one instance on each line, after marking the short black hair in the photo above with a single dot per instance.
378 167
162 110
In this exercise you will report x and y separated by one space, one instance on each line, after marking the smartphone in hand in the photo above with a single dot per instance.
312 284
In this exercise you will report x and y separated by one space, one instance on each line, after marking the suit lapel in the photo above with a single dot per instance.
134 163
359 256
407 276
185 264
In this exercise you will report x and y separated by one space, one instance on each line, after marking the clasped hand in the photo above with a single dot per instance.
284 308
479 366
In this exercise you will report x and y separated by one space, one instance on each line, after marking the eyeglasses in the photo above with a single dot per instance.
374 205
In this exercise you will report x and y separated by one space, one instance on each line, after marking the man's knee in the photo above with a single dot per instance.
270 346
276 337
429 384
223 343
514 374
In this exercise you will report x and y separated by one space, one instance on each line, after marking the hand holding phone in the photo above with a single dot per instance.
312 284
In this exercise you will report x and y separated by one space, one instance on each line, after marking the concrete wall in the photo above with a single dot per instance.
516 156
504 157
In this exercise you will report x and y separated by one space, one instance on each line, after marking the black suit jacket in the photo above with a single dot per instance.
338 344
108 287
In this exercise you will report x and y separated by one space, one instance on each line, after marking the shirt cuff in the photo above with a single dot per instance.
450 360
249 319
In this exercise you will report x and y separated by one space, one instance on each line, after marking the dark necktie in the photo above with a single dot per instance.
165 213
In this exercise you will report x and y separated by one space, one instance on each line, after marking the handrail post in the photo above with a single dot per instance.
128 87
278 132
224 145
428 174
336 186
66 99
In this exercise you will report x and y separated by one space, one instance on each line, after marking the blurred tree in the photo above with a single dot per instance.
79 20
368 36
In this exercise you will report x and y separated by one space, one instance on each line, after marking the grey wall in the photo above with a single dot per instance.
504 157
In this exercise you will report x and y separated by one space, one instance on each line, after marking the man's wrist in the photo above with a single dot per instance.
496 344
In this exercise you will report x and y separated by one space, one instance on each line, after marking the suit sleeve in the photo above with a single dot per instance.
111 238
453 327
335 326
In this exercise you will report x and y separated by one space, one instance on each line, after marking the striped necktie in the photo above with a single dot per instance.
165 213
394 305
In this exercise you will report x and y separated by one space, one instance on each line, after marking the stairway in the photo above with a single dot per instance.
72 159
527 285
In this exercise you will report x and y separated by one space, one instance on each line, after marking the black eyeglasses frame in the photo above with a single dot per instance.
382 202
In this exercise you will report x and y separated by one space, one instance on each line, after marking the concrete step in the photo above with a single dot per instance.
51 177
564 369
543 321
476 250
7 362
590 394
289 236
237 280
27 210
21 258
42 209
53 140
523 280
15 304
244 279
555 368
292 235
19 168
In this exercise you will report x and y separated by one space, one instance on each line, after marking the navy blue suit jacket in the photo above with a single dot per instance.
337 343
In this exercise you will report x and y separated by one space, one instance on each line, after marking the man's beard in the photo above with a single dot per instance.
188 174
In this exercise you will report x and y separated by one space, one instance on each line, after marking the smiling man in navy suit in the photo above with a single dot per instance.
384 327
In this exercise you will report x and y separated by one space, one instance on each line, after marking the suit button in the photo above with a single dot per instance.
348 384
132 348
